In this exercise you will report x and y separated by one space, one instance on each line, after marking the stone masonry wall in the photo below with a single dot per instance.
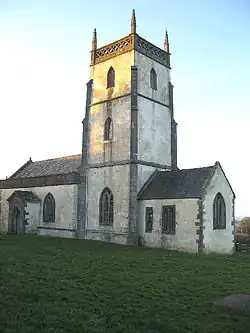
154 132
218 240
2 217
144 66
122 66
119 148
66 208
186 224
154 115
117 179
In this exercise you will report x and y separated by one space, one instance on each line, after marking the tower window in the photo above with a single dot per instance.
219 212
111 78
108 129
153 79
49 208
106 208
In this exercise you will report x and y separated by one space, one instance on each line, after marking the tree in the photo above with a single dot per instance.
244 225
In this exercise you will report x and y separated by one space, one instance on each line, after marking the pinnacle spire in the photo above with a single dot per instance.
133 22
166 42
166 34
94 40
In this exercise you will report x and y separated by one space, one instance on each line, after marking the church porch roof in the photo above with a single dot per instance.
185 183
24 195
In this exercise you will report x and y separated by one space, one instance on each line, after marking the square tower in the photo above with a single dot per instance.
128 132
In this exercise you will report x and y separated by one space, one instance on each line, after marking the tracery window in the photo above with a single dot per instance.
108 129
106 208
219 212
49 208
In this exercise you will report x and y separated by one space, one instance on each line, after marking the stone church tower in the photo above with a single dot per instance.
128 132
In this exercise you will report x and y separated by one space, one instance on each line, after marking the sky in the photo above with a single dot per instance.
44 67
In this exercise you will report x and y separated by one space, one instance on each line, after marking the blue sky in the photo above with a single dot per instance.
44 66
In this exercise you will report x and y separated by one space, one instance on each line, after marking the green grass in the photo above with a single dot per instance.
57 285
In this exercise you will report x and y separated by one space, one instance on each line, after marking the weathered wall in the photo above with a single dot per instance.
186 230
144 65
117 179
119 148
66 208
2 216
154 116
122 66
33 210
154 132
118 109
144 172
218 240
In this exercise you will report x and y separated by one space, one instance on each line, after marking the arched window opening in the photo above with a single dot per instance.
153 79
111 78
219 212
106 208
108 129
49 208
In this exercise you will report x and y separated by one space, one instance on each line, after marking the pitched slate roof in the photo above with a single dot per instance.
24 195
55 166
185 183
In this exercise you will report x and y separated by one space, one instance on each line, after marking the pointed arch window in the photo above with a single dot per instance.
106 208
49 208
219 212
108 129
153 79
111 78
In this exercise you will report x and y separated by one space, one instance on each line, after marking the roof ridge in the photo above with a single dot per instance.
21 168
185 183
205 167
188 169
60 158
147 182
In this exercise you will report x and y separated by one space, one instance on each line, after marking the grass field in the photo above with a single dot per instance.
57 285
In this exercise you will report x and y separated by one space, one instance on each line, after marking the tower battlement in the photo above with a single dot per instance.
128 43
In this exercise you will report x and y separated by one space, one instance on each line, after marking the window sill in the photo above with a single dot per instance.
219 229
169 233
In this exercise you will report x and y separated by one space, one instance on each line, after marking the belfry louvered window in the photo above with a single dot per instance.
153 79
111 78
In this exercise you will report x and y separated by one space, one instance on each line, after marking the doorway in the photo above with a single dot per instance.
17 225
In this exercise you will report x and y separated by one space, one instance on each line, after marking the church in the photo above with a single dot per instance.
125 187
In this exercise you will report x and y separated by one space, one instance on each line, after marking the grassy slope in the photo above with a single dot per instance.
58 285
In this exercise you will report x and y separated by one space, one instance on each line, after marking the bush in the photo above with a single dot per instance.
242 238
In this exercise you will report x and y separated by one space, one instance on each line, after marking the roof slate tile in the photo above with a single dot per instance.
185 183
55 166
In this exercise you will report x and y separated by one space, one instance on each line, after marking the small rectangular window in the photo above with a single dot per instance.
149 216
168 220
